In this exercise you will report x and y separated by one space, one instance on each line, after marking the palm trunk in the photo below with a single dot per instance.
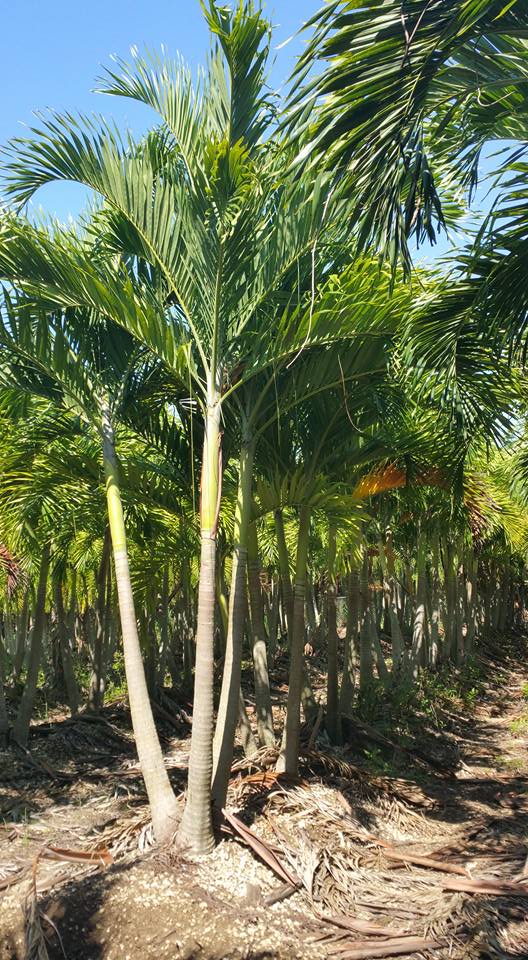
197 827
383 672
365 637
308 700
418 640
22 634
273 622
398 646
8 631
164 624
247 737
4 719
504 598
223 607
351 641
228 709
72 689
289 756
450 625
25 710
284 568
73 613
161 797
471 599
260 658
333 717
97 681
434 644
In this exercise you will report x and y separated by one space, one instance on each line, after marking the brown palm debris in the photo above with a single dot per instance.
265 780
430 862
498 888
11 567
261 848
362 926
35 943
406 945
40 765
14 874
100 856
403 790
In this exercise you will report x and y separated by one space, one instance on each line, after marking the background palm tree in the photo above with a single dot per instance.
404 104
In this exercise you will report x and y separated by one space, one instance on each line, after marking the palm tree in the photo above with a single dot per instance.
207 204
86 366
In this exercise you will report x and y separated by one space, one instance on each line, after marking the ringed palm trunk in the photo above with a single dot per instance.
289 757
260 657
471 599
228 709
161 797
383 671
333 717
223 607
504 599
25 710
196 828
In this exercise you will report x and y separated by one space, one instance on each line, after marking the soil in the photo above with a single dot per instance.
350 830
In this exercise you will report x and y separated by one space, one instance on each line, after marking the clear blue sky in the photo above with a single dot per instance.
53 50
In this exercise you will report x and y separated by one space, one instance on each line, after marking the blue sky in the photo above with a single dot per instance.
53 50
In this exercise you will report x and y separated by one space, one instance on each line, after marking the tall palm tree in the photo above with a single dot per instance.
207 204
87 366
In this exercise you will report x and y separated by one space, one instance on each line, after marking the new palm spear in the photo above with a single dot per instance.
206 203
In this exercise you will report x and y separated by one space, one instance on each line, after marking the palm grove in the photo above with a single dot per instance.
235 416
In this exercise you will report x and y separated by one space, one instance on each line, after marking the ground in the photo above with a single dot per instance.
352 833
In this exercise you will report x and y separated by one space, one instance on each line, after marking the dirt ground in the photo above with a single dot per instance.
412 846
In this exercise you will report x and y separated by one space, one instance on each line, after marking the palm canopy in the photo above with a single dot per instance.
407 92
203 199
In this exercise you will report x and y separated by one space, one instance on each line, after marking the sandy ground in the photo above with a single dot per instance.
345 831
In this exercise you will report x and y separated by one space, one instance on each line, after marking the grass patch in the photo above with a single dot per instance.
519 726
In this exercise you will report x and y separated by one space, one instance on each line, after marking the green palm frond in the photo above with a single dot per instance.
399 89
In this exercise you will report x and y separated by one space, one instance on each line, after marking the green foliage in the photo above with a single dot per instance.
406 99
116 683
519 726
448 689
